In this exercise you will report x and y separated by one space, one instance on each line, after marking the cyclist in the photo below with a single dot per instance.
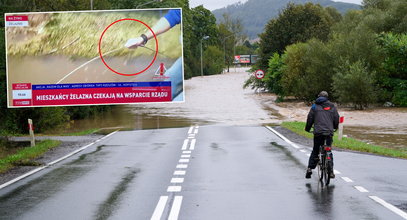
325 118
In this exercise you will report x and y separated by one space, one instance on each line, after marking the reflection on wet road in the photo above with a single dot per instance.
224 172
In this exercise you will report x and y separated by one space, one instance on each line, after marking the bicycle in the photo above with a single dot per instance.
324 164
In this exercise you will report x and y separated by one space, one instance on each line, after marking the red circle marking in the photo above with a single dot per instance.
262 75
124 74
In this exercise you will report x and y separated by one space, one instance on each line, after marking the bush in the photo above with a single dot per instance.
213 60
353 83
273 76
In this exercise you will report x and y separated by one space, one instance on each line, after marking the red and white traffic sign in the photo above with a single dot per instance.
259 74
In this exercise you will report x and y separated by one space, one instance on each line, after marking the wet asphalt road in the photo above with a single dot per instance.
208 172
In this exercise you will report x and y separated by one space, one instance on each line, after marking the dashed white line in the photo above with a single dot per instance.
184 160
159 209
193 142
176 207
361 189
177 180
190 130
179 172
347 179
389 206
186 156
182 166
185 145
174 189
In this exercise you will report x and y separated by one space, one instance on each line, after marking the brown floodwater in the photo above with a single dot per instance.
384 136
130 117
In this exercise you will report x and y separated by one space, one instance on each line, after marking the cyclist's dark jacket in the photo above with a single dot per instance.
324 116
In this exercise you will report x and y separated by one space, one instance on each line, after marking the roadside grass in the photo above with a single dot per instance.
348 143
25 156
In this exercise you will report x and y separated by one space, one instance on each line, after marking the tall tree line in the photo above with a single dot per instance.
359 58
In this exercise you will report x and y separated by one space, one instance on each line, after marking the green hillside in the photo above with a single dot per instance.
254 14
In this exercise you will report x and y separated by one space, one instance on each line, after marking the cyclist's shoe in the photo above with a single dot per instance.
332 175
308 174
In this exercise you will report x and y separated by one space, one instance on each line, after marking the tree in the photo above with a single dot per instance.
296 23
353 83
274 74
213 62
230 33
394 49
202 24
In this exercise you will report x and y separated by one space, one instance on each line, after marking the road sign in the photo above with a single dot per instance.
259 74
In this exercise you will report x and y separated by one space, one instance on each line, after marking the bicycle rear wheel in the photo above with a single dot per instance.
326 169
320 168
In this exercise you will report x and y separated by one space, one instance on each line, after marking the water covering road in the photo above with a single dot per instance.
207 172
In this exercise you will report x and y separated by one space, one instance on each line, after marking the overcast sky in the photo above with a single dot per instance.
215 4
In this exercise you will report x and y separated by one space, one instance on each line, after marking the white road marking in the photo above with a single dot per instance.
197 126
304 151
177 180
159 209
53 162
174 189
190 137
176 207
182 166
185 156
347 179
193 142
184 160
190 130
361 189
282 137
22 177
185 145
179 172
186 152
389 206
308 155
196 131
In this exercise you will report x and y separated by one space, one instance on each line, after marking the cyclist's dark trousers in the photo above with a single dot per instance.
318 141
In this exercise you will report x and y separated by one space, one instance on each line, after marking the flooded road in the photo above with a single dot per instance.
220 99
